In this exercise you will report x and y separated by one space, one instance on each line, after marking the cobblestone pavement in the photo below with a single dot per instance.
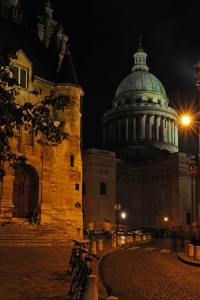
150 272
28 273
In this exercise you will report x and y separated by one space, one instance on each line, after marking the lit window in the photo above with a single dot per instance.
21 76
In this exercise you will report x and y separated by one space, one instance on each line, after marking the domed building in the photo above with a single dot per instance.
139 166
140 115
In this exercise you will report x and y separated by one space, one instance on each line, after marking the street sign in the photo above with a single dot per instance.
193 170
117 206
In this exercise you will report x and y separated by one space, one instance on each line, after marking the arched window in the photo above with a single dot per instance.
102 188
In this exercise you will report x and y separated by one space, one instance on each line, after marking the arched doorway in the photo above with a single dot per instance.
25 191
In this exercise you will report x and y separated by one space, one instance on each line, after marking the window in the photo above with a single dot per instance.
77 186
21 76
188 219
71 160
102 188
83 189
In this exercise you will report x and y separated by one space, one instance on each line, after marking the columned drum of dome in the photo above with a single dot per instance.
140 115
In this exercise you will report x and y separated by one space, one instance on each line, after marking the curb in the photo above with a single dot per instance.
188 260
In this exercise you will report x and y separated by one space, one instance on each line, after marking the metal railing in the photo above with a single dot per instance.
60 220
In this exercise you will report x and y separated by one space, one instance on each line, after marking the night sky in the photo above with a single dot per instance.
104 35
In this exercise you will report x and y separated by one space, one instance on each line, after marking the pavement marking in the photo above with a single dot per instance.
165 251
149 249
133 248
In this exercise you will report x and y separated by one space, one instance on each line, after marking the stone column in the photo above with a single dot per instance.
158 121
143 127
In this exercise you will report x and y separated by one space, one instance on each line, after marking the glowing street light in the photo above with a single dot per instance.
166 219
185 120
123 216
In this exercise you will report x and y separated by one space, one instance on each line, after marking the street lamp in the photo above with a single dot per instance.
194 167
117 207
166 219
123 215
190 121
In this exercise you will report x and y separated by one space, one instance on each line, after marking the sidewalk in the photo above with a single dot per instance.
29 273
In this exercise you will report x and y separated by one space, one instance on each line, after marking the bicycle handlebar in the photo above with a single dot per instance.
78 242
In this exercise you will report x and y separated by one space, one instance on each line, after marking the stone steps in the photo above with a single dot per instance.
24 234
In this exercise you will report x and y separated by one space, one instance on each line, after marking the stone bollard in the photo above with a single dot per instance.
91 290
190 251
138 238
113 242
123 239
144 237
127 239
93 248
131 239
119 241
100 244
149 236
197 252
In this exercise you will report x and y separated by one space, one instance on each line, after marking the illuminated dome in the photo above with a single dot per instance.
141 122
140 80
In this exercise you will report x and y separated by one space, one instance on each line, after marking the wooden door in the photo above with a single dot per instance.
25 191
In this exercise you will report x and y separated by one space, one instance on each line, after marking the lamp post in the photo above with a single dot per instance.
123 215
117 207
166 219
193 170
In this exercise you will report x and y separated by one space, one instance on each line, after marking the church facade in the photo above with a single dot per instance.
52 179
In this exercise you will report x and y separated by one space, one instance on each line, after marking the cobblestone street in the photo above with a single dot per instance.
146 271
150 272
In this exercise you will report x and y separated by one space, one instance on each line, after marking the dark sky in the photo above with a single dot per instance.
104 35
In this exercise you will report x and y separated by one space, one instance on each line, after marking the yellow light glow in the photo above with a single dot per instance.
123 215
186 120
165 219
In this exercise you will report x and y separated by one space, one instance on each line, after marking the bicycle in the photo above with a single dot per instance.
80 279
76 256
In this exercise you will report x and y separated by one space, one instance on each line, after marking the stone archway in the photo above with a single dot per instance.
25 191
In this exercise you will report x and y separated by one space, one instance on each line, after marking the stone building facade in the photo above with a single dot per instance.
52 179
152 177
99 189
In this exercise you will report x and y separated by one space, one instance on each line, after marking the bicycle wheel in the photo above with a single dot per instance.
75 281
81 286
70 266
74 261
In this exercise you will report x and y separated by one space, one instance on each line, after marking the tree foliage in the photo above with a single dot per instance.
34 118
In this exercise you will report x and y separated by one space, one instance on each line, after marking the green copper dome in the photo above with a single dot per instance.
140 116
140 80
